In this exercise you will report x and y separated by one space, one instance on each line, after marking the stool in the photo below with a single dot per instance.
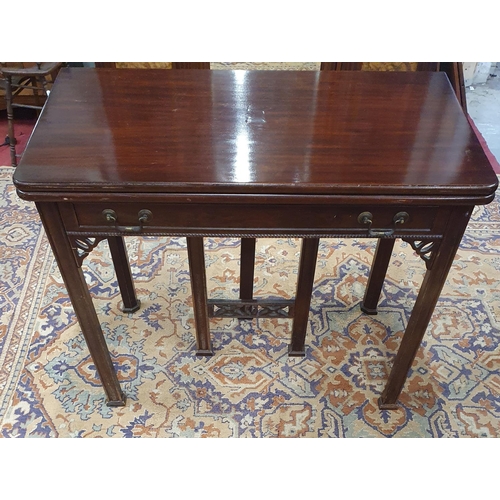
16 80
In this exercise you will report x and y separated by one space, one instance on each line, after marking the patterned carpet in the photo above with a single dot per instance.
249 388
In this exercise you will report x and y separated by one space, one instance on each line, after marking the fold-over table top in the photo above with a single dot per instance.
244 132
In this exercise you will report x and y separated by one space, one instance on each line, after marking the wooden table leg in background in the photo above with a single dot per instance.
428 296
377 275
305 283
82 302
10 120
123 274
197 272
247 266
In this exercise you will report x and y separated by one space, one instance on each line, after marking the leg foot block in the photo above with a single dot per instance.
204 352
133 308
366 310
119 402
387 406
297 354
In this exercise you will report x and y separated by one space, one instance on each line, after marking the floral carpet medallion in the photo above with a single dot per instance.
250 387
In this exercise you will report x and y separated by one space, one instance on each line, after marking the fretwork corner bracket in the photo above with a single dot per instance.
82 246
425 249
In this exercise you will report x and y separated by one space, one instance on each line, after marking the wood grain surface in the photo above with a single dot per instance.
254 132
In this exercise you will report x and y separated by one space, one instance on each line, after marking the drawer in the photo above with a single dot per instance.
372 221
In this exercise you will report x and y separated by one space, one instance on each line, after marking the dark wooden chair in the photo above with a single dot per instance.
16 79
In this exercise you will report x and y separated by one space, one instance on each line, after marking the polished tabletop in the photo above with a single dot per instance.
256 132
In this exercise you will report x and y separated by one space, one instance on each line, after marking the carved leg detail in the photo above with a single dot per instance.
81 301
428 296
425 249
83 246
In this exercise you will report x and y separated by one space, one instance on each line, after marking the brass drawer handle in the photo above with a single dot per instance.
380 233
401 218
143 216
109 215
366 218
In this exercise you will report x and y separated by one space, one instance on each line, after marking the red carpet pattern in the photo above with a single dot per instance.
250 387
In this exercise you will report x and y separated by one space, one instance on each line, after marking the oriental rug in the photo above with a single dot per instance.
250 387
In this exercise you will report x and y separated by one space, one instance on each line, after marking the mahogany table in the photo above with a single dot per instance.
254 154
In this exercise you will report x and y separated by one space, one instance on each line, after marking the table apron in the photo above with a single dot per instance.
294 220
